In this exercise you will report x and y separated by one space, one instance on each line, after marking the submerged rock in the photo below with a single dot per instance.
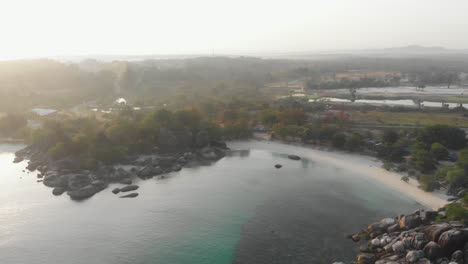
83 193
58 191
129 188
294 157
131 195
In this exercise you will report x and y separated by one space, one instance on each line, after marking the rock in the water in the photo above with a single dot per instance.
393 228
118 175
398 247
77 181
423 261
176 167
129 188
355 238
375 242
131 195
294 157
414 255
433 232
126 181
116 190
365 259
457 257
386 261
146 172
58 191
208 154
432 250
451 241
156 171
218 144
83 193
54 180
99 185
410 221
278 166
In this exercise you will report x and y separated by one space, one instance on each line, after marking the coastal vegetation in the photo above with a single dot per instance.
13 125
91 141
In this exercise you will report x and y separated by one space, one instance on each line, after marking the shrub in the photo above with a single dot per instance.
441 173
405 179
456 212
422 159
412 172
339 140
456 178
438 151
394 152
465 199
390 137
450 136
428 183
462 161
354 142
57 151
387 166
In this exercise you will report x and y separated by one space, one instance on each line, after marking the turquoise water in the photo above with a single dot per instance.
238 210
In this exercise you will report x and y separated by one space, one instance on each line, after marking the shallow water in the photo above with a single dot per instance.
240 209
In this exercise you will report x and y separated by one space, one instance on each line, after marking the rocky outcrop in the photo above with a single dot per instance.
77 181
83 193
53 179
176 151
413 238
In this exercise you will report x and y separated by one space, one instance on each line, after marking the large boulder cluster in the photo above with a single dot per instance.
414 238
65 176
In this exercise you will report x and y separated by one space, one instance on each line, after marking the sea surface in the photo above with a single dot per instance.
238 210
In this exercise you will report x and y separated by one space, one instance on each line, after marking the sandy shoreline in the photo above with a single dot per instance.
366 166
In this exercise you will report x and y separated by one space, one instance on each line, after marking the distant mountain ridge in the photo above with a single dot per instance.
393 52
421 50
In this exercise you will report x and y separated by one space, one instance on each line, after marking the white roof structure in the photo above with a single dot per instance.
43 111
121 101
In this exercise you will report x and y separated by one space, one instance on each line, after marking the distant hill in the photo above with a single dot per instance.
394 52
416 49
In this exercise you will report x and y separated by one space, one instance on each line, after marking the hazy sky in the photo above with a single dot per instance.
80 27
